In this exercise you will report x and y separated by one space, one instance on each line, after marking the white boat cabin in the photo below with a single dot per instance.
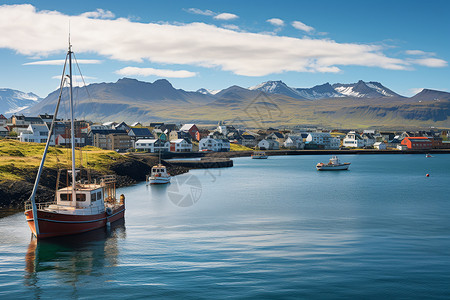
159 170
87 196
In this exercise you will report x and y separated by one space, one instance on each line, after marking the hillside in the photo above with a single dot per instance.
19 163
357 105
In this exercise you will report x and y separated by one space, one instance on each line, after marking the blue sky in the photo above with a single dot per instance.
215 44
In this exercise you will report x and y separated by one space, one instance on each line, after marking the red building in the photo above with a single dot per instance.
191 129
417 142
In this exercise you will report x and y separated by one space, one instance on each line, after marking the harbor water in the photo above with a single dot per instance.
263 229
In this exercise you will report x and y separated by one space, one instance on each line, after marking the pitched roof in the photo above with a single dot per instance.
278 135
186 127
108 131
140 132
39 127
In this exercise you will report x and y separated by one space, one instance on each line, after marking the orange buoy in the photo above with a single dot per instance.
428 175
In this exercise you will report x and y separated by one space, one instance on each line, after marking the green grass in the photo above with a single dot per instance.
236 147
18 159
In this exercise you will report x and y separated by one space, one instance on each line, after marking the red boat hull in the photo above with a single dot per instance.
55 224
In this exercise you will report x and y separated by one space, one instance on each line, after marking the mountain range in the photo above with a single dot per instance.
12 101
272 103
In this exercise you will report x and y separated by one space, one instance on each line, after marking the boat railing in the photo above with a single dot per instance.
108 179
39 205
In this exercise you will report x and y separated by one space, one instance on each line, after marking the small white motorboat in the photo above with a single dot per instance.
333 165
158 175
259 155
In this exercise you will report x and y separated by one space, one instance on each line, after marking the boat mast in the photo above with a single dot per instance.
72 129
41 166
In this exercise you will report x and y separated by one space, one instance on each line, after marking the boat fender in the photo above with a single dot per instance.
122 199
109 211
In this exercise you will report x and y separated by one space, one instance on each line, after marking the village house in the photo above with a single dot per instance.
4 132
269 145
369 139
294 142
152 145
3 120
192 130
180 145
138 134
380 145
248 140
214 144
417 143
276 136
110 139
122 126
323 140
175 135
64 140
36 133
353 140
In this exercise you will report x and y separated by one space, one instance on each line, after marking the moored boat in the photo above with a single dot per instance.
333 165
80 207
158 175
259 155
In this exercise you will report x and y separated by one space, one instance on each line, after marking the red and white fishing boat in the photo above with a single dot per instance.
80 207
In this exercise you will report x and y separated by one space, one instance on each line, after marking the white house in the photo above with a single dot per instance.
353 140
324 139
3 131
152 145
379 146
180 145
369 139
63 139
36 133
210 144
269 145
294 141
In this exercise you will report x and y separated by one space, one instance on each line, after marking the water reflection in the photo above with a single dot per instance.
72 257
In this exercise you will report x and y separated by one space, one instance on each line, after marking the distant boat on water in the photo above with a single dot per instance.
333 165
259 155
158 175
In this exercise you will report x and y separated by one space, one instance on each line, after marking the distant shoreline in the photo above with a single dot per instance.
232 154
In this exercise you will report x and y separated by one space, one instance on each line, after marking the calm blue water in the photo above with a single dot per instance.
273 228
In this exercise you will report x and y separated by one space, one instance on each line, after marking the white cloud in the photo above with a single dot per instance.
200 12
99 14
420 52
430 62
30 32
231 27
60 62
134 71
75 77
275 22
77 80
226 16
302 26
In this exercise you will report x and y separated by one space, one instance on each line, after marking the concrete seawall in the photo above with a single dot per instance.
204 163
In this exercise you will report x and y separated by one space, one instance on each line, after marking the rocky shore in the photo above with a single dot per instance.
13 194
